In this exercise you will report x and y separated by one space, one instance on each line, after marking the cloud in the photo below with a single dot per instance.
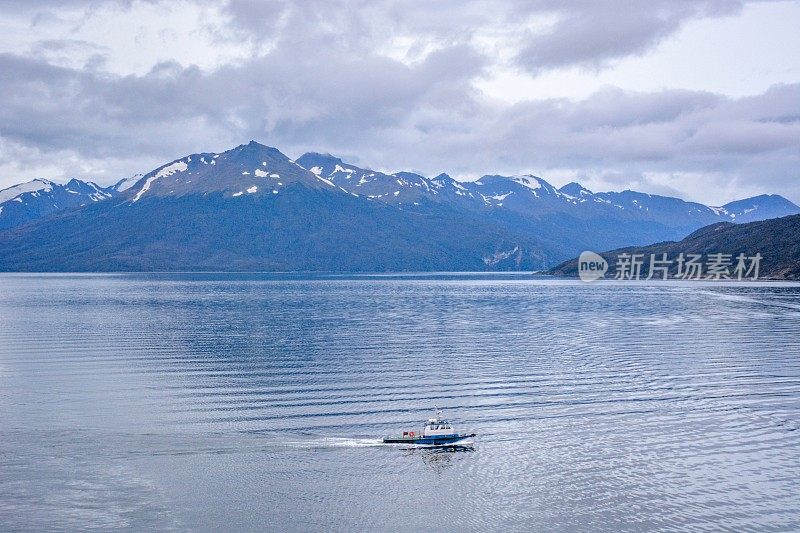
583 33
393 87
424 116
173 109
591 33
257 17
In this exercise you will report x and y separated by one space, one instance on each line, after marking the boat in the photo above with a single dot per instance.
436 432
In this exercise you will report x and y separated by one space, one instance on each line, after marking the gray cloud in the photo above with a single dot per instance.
587 33
590 33
258 17
321 84
392 115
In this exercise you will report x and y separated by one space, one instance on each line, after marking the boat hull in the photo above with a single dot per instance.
439 440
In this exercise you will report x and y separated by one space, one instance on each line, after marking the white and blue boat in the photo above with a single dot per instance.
436 432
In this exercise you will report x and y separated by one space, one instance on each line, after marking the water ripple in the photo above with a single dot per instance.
216 402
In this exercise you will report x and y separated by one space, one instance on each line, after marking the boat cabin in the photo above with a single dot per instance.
436 427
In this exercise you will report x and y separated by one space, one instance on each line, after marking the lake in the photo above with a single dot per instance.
257 402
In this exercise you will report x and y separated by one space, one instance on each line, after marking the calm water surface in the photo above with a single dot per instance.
255 402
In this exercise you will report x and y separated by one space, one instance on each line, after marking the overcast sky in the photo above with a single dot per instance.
694 98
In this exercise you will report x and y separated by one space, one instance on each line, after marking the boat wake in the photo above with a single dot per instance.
349 442
330 442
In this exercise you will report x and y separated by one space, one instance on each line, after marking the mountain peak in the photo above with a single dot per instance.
575 190
247 169
770 198
76 184
492 178
535 182
760 207
323 162
410 175
254 147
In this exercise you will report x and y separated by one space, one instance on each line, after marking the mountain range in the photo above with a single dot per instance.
776 241
253 208
39 198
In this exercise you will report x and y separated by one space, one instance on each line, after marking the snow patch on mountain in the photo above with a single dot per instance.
169 170
491 260
126 183
501 197
340 168
529 182
22 188
329 182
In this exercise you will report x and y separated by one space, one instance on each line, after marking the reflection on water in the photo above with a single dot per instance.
248 402
440 457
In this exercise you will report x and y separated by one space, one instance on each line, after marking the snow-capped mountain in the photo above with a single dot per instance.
528 195
535 197
757 208
404 187
245 170
532 196
38 198
410 188
252 207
